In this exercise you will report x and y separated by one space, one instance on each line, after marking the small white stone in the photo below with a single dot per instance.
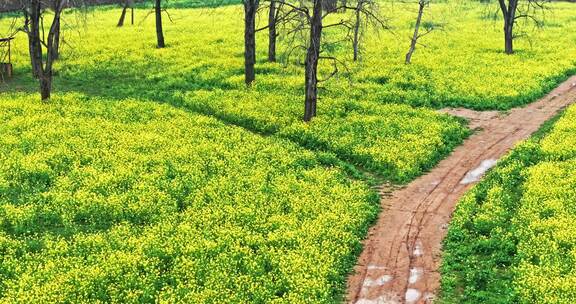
383 279
368 282
378 282
415 274
475 175
412 295
418 250
375 267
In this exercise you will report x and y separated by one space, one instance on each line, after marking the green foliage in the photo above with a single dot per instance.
511 238
202 71
156 176
124 189
136 202
396 150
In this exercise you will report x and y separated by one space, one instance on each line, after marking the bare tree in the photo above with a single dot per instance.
312 15
509 14
58 26
428 26
311 62
34 14
362 14
276 18
512 11
157 11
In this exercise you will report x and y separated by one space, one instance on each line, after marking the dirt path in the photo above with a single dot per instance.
401 256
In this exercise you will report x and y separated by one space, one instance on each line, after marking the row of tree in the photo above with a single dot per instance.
304 24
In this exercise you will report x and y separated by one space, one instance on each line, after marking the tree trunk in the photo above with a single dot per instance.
159 31
272 32
357 31
250 9
56 50
32 51
509 14
33 63
416 30
312 57
43 70
53 43
508 39
123 15
52 53
34 43
31 44
45 86
36 49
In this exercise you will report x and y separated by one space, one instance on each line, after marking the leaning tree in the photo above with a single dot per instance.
428 27
126 4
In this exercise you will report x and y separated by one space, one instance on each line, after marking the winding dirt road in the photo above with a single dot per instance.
401 256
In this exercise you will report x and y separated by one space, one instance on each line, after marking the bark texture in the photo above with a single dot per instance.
250 9
56 52
416 30
32 49
312 57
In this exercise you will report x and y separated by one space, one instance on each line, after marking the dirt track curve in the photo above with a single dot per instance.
401 256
